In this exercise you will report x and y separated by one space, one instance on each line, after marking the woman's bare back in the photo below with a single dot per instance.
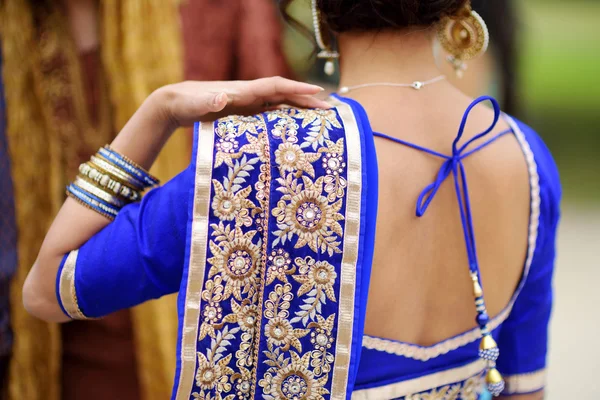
421 291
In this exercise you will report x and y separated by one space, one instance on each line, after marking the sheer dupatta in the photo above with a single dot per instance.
279 249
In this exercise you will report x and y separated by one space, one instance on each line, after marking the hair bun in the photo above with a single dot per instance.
347 15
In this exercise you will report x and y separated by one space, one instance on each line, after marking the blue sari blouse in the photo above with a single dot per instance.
268 238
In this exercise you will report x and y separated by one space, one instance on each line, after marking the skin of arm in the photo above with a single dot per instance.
141 140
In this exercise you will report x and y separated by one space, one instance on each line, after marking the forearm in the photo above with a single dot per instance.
141 140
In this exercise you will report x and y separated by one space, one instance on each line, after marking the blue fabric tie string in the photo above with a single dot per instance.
454 165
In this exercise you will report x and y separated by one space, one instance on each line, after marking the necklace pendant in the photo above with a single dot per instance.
417 85
344 90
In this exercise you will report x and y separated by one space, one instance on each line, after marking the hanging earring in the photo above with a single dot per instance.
325 51
464 37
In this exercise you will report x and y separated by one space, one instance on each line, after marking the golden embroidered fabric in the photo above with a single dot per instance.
274 298
461 383
467 390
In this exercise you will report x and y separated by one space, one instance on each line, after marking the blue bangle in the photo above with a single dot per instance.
129 166
91 189
92 202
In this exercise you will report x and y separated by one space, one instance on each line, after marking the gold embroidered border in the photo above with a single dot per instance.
423 383
422 353
195 279
525 383
427 353
534 213
66 288
263 265
339 383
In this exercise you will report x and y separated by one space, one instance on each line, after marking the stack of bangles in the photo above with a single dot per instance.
110 181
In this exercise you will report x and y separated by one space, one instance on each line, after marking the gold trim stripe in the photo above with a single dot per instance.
339 385
534 210
195 279
66 288
525 383
425 353
422 384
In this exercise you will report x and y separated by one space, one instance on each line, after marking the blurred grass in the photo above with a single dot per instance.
561 52
560 87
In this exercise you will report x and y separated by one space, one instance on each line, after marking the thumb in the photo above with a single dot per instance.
217 102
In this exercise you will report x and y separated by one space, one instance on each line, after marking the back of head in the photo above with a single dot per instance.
367 15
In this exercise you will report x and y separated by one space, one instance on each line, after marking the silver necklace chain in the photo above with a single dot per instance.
417 85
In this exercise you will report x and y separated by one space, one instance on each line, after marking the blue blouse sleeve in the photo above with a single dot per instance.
523 339
137 257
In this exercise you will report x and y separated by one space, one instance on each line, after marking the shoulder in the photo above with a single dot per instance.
546 168
308 128
235 134
545 186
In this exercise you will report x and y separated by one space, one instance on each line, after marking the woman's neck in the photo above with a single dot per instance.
387 56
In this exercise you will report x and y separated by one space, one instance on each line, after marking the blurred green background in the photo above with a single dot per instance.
559 84
559 69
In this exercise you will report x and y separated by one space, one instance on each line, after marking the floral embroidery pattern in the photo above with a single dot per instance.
317 279
293 379
319 123
268 305
305 213
467 390
279 266
230 297
213 372
301 278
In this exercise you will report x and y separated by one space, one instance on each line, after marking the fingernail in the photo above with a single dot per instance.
318 87
218 99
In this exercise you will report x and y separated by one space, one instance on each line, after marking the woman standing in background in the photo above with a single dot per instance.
75 70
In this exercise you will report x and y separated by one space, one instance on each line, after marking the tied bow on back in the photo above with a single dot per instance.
454 165
488 349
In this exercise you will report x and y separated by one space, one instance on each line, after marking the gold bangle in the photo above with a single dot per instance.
99 192
107 166
108 181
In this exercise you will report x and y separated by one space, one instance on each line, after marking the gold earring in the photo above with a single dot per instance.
325 51
464 37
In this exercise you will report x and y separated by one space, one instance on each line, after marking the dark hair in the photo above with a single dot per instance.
365 15
503 22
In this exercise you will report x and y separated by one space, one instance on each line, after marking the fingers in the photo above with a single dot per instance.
266 87
191 101
301 101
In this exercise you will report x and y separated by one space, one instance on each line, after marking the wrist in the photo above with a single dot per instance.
159 104
146 132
